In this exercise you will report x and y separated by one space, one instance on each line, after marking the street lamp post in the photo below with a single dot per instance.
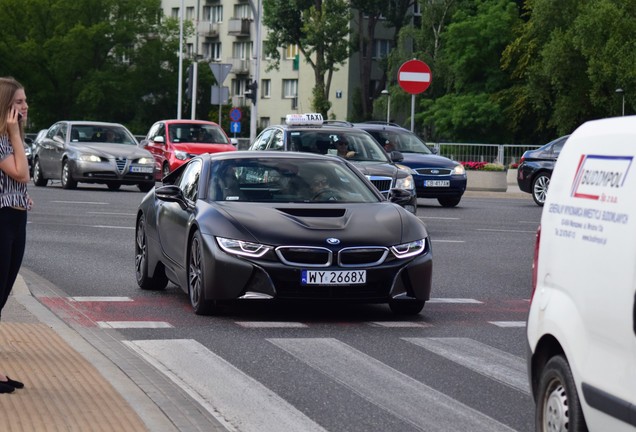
388 104
621 92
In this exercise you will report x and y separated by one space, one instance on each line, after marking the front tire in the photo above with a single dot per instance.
146 282
165 170
406 307
540 188
67 177
197 277
38 178
558 405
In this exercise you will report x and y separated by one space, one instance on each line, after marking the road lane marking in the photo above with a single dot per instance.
454 300
508 231
82 202
234 398
481 358
112 214
270 324
449 241
508 323
399 324
391 390
112 227
133 324
99 299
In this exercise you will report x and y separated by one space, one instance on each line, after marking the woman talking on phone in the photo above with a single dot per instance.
14 200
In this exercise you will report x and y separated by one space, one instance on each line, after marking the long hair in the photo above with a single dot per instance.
8 87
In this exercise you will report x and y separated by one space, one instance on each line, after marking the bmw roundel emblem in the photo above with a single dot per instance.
333 241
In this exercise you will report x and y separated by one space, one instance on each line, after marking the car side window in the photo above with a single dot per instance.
53 131
276 142
154 131
60 134
557 147
189 181
263 139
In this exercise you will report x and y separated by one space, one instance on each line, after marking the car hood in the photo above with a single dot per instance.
198 148
116 150
312 224
418 160
377 169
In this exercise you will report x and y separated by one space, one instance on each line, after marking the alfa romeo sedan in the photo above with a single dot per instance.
92 152
246 225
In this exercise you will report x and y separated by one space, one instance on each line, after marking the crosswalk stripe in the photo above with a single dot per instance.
481 358
391 390
508 323
270 324
231 396
454 300
133 324
100 299
399 324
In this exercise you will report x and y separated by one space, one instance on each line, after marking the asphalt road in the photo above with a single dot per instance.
459 365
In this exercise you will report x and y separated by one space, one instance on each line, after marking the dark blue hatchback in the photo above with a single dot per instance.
437 177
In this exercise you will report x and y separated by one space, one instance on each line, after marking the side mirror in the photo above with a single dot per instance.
234 142
400 197
171 193
396 156
159 139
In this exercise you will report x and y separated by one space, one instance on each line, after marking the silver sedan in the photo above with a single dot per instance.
92 152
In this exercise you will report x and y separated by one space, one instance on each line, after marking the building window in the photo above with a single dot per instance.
290 88
189 13
190 49
291 52
243 11
381 49
174 13
242 50
211 50
213 13
266 88
265 122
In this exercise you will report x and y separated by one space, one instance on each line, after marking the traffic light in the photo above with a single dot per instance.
251 91
189 82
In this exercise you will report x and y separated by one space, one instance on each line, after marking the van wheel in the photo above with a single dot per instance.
558 404
540 188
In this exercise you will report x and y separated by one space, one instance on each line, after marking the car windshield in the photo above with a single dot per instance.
403 142
350 144
101 134
287 180
196 133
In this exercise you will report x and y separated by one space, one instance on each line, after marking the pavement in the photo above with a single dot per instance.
85 379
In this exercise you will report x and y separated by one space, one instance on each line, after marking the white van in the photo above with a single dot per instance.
582 323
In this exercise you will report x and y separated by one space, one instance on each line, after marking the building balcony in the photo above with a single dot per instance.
239 26
208 29
240 66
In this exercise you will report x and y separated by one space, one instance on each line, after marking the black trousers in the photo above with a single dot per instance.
12 243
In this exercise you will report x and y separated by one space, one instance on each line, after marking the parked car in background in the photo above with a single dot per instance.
310 133
581 329
535 169
241 226
92 152
435 176
174 142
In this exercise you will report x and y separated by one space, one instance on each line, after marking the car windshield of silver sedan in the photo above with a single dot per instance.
289 181
101 134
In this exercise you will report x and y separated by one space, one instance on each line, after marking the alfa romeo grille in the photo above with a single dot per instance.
121 164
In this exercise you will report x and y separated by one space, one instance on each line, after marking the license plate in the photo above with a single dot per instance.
141 169
333 277
437 183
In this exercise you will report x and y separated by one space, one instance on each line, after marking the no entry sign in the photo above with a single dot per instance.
414 76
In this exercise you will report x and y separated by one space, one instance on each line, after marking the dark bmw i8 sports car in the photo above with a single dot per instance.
288 226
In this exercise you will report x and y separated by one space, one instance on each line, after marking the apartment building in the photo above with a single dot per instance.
227 33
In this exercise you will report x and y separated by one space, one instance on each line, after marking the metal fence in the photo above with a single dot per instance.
504 154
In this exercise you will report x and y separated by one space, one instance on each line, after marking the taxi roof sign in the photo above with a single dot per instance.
308 119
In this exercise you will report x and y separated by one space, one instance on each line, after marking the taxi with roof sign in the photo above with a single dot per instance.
310 133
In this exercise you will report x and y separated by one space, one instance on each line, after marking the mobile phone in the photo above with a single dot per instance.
19 116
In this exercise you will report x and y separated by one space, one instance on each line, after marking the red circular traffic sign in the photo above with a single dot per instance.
414 76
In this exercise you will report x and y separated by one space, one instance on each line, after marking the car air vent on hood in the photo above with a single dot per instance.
314 212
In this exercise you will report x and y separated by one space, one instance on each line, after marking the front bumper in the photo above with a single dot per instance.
123 172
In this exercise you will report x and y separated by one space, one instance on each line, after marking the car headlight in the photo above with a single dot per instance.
181 155
405 183
459 170
89 158
243 248
407 250
145 161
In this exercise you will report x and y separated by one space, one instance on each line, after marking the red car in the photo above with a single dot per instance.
174 142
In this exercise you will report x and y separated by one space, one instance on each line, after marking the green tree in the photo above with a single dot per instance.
91 59
320 28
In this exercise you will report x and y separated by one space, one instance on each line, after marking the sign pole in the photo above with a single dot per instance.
414 76
412 112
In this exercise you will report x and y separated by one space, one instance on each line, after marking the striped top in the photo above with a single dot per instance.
12 193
